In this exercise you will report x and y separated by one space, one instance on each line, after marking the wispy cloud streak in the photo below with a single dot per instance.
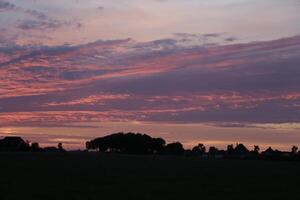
163 81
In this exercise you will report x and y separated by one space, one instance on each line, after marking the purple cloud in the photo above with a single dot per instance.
37 14
6 6
159 81
40 25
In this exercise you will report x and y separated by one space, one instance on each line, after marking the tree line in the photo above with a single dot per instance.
137 143
17 144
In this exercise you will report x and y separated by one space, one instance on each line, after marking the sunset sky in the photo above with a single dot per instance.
196 71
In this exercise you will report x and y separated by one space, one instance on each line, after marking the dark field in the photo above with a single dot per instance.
95 176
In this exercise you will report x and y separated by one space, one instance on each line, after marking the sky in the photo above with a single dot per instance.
196 71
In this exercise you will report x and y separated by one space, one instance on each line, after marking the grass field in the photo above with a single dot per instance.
95 176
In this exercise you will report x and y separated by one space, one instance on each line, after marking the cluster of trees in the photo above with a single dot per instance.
18 144
131 143
137 143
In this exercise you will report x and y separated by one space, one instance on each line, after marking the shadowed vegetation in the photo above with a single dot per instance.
113 176
137 166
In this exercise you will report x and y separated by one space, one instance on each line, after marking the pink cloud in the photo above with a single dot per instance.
255 82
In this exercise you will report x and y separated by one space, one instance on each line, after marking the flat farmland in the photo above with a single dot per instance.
89 176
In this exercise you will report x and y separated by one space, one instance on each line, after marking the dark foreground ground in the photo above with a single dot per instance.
94 176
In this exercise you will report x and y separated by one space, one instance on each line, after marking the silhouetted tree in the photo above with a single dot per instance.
157 145
60 147
199 149
127 143
256 149
294 150
13 144
144 144
35 147
230 149
213 150
175 148
88 145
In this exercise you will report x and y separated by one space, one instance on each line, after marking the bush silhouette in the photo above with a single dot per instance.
175 148
199 149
